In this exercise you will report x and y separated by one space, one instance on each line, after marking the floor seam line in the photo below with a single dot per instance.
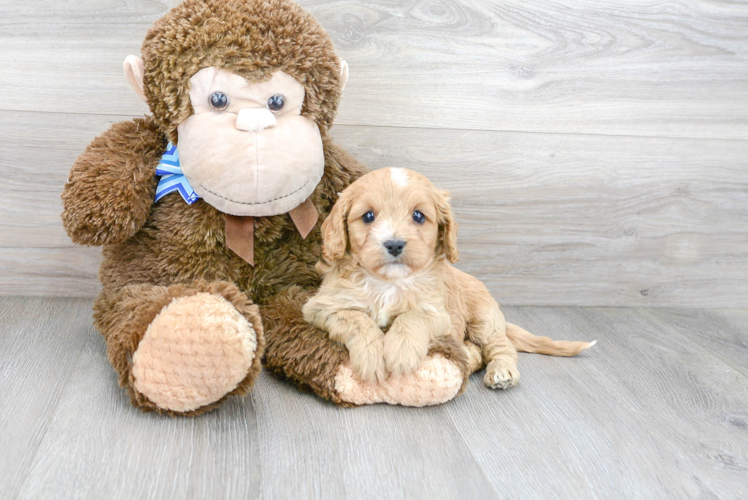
645 311
53 414
470 450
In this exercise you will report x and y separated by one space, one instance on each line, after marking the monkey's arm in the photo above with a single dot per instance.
112 185
296 350
306 356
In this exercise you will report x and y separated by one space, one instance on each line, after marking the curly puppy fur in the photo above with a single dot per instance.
306 357
387 244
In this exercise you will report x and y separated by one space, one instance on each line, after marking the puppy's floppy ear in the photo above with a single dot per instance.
334 230
447 228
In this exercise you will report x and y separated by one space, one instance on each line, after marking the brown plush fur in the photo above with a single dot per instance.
306 358
124 316
302 355
156 252
252 39
180 243
123 161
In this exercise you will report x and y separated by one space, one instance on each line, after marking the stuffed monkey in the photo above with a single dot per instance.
209 209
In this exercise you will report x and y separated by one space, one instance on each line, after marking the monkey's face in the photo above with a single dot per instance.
246 149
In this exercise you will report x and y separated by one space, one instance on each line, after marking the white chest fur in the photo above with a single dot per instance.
386 300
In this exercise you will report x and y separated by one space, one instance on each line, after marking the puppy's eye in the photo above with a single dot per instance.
368 217
276 102
419 217
219 101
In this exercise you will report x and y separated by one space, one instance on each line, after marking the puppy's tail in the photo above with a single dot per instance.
525 341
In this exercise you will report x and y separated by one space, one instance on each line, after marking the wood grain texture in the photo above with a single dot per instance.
676 69
645 413
370 452
555 219
648 412
558 126
98 446
40 343
723 332
36 153
549 219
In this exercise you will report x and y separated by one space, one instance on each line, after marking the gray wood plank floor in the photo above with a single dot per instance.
659 408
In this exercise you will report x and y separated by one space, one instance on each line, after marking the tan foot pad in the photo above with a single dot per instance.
194 352
436 381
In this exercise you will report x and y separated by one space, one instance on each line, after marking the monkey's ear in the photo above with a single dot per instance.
134 72
334 231
447 228
343 74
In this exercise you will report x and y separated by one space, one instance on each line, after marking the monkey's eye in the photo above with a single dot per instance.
219 101
419 217
368 217
276 102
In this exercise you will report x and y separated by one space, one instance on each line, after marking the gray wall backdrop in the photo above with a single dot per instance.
597 151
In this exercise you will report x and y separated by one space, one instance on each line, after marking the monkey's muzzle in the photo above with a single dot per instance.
251 163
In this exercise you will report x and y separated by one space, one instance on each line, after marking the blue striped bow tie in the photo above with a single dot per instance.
172 178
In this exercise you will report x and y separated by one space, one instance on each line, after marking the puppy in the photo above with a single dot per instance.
387 247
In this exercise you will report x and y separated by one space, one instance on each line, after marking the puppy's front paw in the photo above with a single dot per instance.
367 360
501 375
403 353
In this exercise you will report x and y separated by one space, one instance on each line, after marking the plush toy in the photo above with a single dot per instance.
209 209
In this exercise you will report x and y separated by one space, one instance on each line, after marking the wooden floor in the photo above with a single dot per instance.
659 408
596 155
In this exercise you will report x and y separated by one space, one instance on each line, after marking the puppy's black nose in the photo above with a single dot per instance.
394 247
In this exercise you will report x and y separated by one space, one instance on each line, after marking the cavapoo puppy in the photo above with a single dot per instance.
387 247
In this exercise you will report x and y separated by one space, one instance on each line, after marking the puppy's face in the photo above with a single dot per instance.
393 221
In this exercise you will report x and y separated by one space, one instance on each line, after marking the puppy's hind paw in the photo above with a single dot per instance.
500 376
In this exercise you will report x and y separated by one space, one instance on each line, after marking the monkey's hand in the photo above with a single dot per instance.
112 185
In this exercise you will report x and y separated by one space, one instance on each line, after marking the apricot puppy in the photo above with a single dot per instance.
387 247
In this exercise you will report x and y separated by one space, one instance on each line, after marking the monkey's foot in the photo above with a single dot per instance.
501 375
435 381
195 352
